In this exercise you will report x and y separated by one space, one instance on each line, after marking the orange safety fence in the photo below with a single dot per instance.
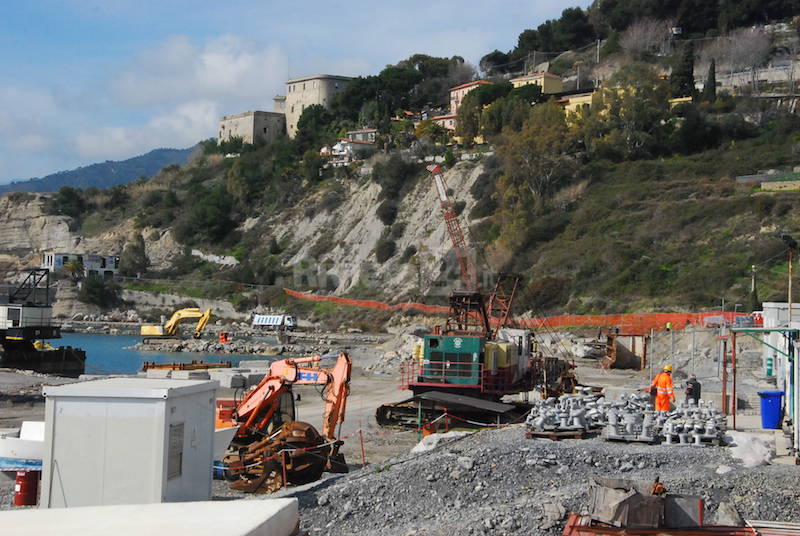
628 324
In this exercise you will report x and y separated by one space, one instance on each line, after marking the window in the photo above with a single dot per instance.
336 85
304 86
314 84
175 452
292 108
265 130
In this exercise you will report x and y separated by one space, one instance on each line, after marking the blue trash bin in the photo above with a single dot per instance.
771 409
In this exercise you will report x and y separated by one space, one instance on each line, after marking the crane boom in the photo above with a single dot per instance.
469 274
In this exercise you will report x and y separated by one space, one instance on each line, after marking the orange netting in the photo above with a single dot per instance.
635 323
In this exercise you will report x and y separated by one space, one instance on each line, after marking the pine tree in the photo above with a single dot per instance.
683 77
710 89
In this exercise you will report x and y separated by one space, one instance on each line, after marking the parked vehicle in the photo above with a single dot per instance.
275 322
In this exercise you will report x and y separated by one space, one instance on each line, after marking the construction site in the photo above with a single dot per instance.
474 421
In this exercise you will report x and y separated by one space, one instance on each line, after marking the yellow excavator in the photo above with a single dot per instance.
170 329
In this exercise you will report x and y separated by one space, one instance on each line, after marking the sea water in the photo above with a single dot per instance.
111 354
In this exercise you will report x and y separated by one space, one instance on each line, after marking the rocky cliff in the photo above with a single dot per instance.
332 249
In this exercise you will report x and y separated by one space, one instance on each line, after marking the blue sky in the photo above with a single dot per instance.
85 81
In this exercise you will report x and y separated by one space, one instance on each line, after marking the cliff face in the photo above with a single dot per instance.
332 249
339 245
25 229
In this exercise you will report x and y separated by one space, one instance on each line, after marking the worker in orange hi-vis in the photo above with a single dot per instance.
665 392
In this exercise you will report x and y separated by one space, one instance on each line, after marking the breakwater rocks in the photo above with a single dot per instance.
235 347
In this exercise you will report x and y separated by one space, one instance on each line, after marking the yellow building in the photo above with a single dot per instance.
573 103
549 82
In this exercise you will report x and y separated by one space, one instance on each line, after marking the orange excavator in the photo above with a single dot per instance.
270 447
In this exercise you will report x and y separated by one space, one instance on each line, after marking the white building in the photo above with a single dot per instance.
93 264
308 91
251 126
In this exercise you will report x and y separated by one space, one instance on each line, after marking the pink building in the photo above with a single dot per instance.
457 93
447 121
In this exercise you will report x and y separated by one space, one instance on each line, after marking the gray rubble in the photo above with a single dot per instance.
498 482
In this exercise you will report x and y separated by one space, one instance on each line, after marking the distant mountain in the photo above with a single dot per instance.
109 173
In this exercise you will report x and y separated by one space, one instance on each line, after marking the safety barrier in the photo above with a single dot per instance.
628 324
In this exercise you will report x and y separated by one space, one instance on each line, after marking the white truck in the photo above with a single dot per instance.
275 322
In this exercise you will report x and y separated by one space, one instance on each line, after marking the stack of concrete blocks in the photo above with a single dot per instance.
630 418
245 376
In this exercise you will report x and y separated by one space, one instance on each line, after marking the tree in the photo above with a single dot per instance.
536 157
134 260
209 218
98 291
645 37
710 87
74 268
682 78
495 62
631 117
68 201
312 128
749 50
468 118
428 129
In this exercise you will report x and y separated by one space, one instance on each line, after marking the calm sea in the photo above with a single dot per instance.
107 354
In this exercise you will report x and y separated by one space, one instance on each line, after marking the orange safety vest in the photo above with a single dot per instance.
664 390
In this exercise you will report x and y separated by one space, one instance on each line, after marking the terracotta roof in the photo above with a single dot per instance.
448 116
475 83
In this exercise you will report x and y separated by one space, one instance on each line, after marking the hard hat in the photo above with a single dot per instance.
668 368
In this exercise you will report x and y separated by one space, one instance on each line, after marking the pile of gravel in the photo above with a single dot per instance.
498 482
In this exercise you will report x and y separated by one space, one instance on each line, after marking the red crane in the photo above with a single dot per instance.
470 309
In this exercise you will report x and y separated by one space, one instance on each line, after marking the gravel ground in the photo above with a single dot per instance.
498 482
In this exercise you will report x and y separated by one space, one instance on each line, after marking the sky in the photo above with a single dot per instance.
84 81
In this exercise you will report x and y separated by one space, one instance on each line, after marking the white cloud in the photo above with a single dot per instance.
181 127
226 69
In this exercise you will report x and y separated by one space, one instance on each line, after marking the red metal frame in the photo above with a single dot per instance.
578 525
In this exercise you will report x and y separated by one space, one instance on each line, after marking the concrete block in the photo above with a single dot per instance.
159 374
228 379
254 378
269 517
190 375
254 363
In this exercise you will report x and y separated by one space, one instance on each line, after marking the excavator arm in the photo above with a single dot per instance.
171 327
202 323
260 404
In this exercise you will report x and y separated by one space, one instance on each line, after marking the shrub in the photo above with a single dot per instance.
449 158
409 252
393 175
68 201
98 291
133 260
384 250
387 212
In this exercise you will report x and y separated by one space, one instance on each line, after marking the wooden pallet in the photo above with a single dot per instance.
556 436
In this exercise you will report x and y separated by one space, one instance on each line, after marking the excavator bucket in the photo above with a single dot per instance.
296 450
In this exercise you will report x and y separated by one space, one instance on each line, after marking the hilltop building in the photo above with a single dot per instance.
307 91
458 93
549 82
250 126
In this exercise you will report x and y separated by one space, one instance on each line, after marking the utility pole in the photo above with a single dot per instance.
791 258
598 51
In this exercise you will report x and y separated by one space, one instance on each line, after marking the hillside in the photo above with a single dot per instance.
102 175
651 234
